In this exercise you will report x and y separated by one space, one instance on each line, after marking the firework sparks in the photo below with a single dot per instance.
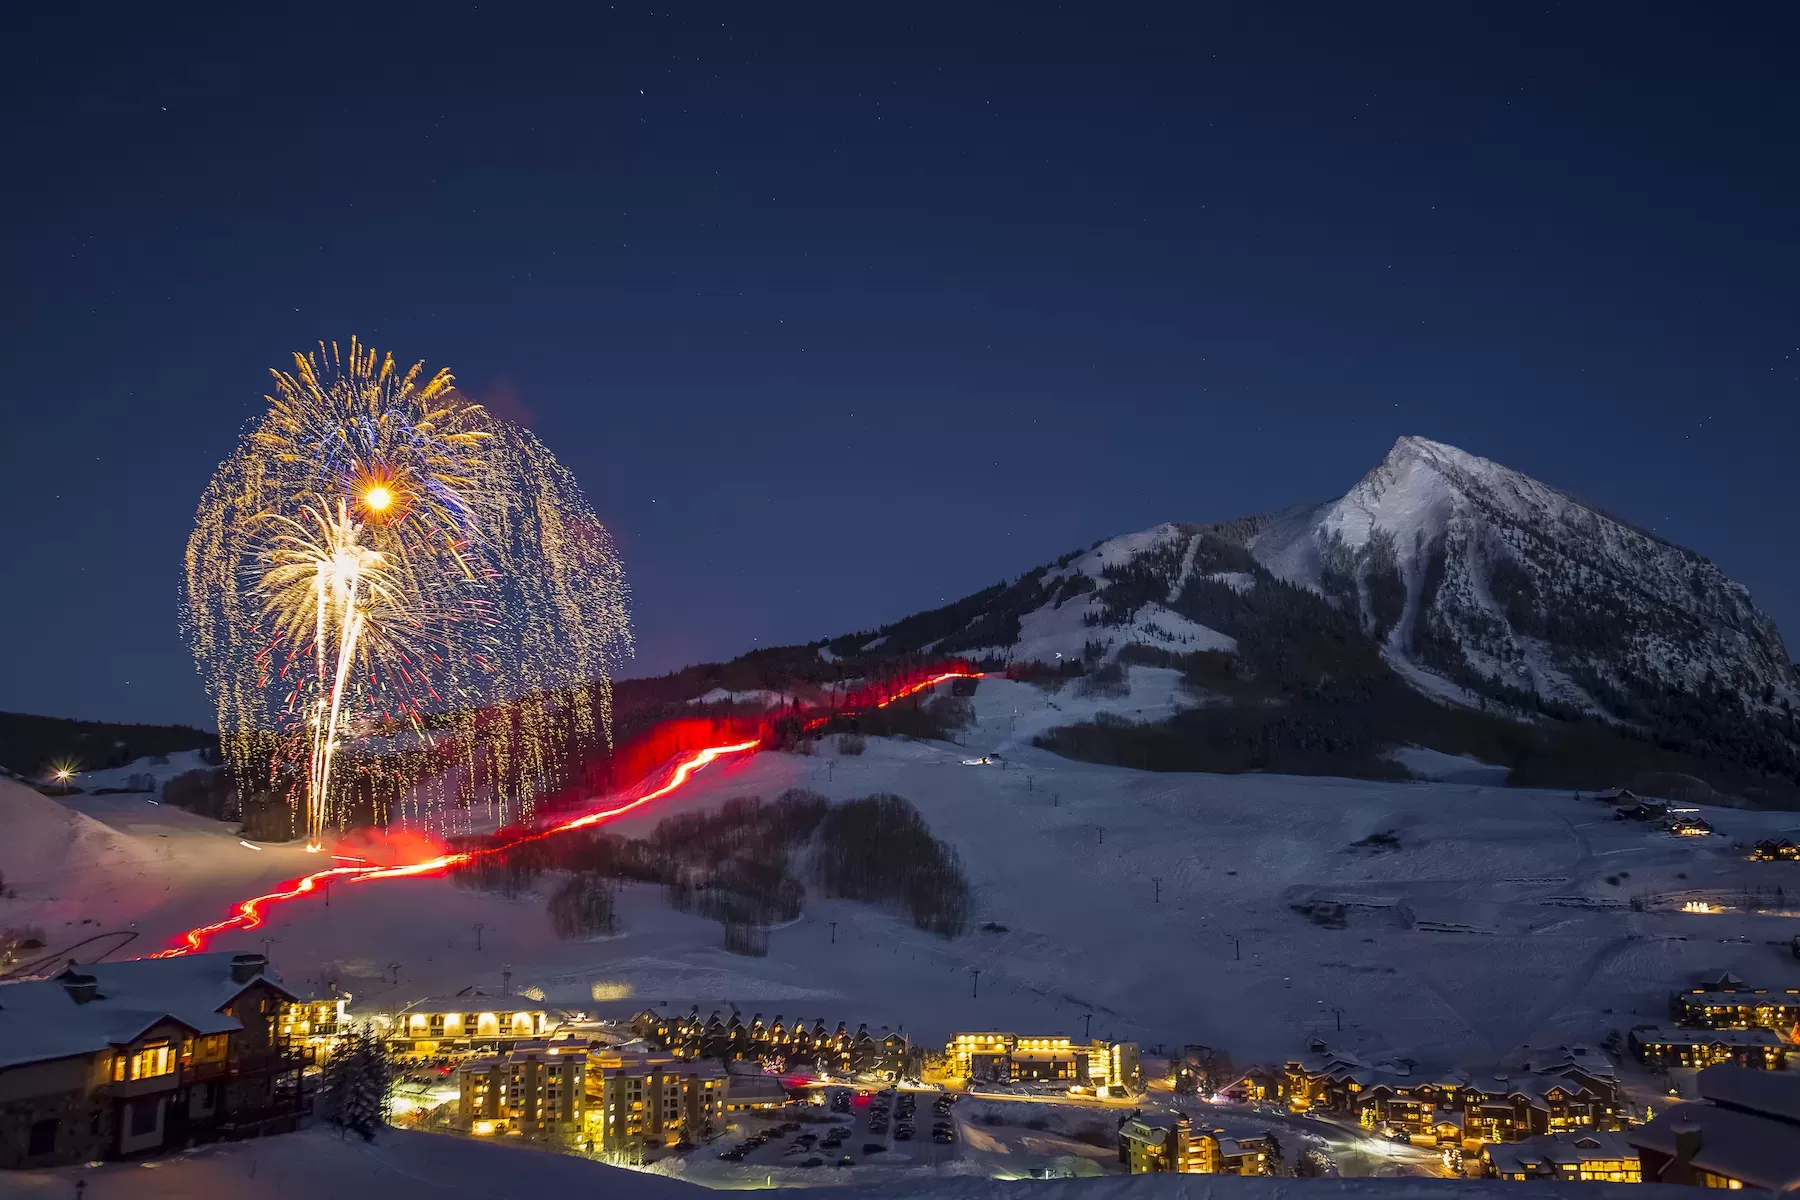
399 602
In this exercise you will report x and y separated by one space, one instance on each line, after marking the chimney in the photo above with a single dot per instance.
245 967
1687 1143
81 988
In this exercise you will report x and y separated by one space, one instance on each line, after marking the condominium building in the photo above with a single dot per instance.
533 1090
1150 1143
651 1101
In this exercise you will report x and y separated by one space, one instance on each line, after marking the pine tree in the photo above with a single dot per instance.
357 1080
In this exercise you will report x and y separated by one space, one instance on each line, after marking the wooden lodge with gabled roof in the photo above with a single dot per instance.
112 1060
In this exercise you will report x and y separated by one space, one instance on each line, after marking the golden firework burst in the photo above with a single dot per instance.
383 572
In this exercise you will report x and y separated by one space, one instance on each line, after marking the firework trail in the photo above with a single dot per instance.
399 601
251 913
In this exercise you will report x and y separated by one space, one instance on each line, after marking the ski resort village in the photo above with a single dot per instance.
1323 845
1248 975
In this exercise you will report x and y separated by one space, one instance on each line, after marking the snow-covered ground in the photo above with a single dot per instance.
427 1167
1497 917
154 771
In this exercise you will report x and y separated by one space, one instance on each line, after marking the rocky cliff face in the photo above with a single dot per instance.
1473 575
1470 582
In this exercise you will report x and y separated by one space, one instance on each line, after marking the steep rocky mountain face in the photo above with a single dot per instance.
1475 585
1479 576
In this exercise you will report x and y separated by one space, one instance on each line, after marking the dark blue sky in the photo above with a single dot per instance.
840 311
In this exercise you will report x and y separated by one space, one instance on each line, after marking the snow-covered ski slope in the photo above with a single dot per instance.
1497 917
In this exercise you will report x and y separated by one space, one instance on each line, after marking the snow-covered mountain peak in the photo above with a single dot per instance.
1473 581
1480 574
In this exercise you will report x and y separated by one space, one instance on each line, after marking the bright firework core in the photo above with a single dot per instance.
377 498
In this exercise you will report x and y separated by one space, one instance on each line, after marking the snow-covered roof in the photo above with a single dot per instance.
1774 1093
42 1019
472 1002
1760 1151
1559 1150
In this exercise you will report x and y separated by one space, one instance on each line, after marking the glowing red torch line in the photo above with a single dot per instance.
249 913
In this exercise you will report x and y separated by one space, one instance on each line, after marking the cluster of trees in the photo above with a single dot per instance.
29 744
743 865
356 1083
879 850
583 906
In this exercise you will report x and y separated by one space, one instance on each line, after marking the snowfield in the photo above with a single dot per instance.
1480 918
428 1167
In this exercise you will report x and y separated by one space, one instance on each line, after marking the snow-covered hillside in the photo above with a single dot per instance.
1488 917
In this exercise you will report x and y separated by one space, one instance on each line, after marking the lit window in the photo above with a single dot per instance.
156 1058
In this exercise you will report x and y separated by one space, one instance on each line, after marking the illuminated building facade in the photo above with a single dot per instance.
1587 1157
1734 1006
315 1026
1659 1046
460 1026
639 1102
533 1090
1167 1142
1017 1058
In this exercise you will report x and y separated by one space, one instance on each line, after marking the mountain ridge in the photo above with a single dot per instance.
1444 601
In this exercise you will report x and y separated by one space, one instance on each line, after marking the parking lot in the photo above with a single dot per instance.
853 1130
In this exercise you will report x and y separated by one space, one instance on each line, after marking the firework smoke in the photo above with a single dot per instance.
399 600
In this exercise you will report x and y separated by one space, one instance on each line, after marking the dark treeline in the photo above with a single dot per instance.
879 850
744 865
30 745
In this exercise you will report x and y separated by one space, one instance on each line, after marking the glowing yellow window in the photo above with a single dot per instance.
156 1058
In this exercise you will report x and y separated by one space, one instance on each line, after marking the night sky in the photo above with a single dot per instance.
838 312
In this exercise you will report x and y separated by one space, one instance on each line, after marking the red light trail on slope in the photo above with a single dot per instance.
249 913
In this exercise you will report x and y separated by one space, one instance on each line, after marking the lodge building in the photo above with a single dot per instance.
1659 1046
110 1060
1589 1156
1019 1058
463 1026
1724 1002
